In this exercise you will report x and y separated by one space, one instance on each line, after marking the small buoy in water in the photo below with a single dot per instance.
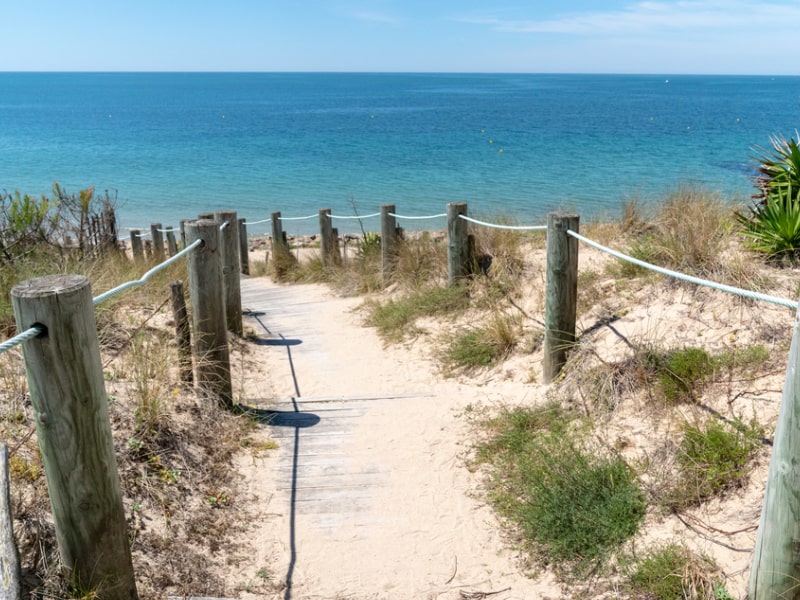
483 131
491 141
738 120
501 150
666 81
223 116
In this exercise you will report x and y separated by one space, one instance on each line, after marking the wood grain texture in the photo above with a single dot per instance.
65 378
775 571
10 586
457 243
210 338
561 293
231 287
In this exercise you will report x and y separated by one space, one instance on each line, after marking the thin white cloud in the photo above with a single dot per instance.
377 17
646 17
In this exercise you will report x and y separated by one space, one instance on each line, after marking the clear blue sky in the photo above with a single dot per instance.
668 36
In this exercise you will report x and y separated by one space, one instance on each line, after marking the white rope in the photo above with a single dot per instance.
142 235
167 230
417 218
688 278
20 338
121 288
224 225
298 218
248 223
509 227
377 214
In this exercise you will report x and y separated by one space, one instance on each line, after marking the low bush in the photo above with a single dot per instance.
711 458
673 572
574 504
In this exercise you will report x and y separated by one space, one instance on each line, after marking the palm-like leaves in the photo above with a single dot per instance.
772 225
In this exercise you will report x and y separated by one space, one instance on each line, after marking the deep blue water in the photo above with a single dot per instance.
172 145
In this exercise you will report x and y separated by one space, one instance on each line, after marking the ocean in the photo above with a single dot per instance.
171 145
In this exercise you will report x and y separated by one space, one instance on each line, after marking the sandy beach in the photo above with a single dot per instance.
419 525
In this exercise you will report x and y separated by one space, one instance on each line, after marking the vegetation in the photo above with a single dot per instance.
772 224
174 451
575 504
712 457
673 572
570 480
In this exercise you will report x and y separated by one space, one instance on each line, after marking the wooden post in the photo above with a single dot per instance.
775 571
282 258
388 241
457 243
561 295
182 225
182 332
210 344
231 283
10 582
158 242
209 216
136 245
70 407
244 252
172 244
327 243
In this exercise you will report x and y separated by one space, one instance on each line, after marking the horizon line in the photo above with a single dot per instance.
392 72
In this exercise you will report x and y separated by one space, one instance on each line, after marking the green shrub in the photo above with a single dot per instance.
711 458
573 504
673 572
679 373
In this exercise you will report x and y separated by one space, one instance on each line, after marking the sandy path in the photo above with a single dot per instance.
367 496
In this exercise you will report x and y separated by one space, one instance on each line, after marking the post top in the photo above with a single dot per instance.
49 285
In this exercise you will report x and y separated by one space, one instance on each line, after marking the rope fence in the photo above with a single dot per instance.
687 278
506 227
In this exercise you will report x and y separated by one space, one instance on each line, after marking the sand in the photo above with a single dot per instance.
370 495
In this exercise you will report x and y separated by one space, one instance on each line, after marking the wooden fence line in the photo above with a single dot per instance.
60 305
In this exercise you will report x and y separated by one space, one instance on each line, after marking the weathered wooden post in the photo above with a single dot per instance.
65 378
172 244
388 241
244 252
158 242
231 282
561 294
282 258
182 333
10 575
457 243
137 249
182 226
327 241
210 344
775 571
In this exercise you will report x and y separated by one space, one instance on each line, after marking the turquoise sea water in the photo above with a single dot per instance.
172 145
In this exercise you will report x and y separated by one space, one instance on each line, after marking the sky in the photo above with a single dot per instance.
533 36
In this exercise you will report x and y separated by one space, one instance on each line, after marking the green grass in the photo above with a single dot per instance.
482 346
574 504
673 572
396 318
712 457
